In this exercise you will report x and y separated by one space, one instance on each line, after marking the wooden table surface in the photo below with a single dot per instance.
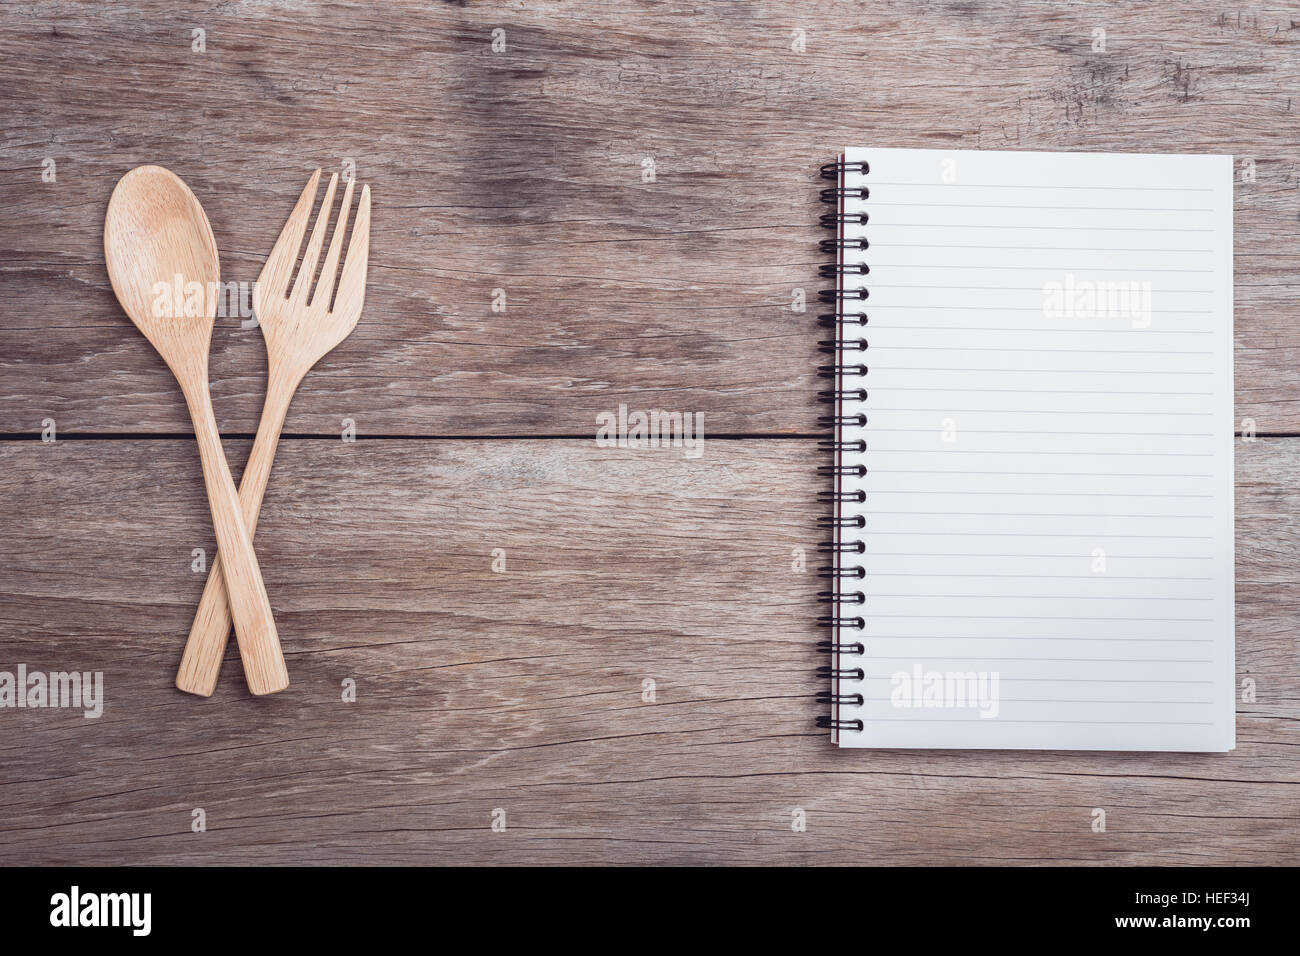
482 694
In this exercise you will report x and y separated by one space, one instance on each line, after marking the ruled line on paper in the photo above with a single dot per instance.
943 185
1037 451
1038 371
1101 535
1018 576
1022 494
879 410
1053 249
1004 719
1058 432
984 225
1044 514
1036 597
1028 268
1025 308
1073 556
1025 391
1040 350
1044 617
1052 660
1007 637
1000 205
1076 700
878 327
1069 680
1023 288
1047 474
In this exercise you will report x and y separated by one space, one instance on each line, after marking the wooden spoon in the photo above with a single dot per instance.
157 243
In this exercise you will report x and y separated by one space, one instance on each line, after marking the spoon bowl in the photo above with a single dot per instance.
163 264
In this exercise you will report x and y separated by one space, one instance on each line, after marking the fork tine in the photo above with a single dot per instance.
352 287
312 255
320 297
279 264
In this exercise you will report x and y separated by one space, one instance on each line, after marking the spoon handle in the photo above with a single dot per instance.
259 645
206 646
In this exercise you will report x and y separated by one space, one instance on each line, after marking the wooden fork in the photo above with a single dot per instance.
299 331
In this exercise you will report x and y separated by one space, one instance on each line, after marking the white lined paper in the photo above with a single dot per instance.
1008 439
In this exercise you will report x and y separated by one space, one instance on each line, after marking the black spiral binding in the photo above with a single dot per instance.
846 349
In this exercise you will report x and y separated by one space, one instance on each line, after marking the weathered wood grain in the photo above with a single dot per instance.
522 170
523 690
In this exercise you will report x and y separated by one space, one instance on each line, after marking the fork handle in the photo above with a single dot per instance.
234 588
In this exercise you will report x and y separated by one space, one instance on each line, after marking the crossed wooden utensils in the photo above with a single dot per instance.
156 239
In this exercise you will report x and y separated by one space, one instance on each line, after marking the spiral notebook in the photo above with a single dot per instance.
1032 514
